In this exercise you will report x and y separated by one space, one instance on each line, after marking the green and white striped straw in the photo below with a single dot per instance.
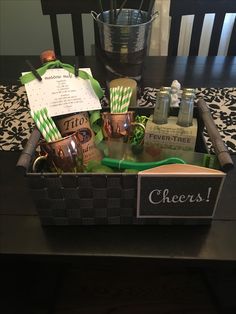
116 99
111 99
119 99
51 123
42 126
120 96
112 104
124 104
46 125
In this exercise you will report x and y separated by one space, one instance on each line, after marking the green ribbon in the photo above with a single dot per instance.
95 122
26 78
139 132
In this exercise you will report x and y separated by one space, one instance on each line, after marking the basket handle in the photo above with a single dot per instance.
220 148
154 15
94 15
28 151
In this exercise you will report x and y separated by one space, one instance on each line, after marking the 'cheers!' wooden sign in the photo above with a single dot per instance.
178 191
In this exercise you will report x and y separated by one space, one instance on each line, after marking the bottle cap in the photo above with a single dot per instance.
165 88
188 95
189 90
163 93
47 55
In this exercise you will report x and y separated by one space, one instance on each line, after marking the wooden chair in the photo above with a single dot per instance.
199 8
76 8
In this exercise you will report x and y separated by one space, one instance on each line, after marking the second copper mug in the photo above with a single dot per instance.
117 130
63 155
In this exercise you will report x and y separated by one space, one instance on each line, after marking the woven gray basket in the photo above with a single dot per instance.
91 199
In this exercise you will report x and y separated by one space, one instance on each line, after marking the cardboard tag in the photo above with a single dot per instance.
62 93
178 191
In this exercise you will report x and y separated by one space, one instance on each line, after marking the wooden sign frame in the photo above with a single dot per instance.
178 195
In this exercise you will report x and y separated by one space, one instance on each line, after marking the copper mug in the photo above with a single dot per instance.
118 129
80 123
63 155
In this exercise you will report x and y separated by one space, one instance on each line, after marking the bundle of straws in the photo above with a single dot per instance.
119 99
115 10
46 125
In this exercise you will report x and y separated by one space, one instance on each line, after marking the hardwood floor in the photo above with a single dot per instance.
121 292
66 289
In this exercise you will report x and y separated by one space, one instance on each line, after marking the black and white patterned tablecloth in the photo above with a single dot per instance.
17 124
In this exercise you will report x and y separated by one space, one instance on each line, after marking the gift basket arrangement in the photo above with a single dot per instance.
121 165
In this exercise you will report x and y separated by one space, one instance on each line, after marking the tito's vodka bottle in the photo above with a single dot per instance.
75 122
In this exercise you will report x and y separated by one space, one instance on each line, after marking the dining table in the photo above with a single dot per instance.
24 238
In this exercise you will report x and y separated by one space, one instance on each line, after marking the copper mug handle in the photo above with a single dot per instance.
37 161
139 124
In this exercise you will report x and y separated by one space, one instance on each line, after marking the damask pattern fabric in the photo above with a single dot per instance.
17 124
222 103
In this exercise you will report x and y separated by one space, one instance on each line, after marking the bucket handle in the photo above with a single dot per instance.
154 15
94 15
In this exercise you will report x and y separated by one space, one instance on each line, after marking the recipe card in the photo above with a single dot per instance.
62 93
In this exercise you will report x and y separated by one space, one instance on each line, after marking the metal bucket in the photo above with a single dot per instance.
124 43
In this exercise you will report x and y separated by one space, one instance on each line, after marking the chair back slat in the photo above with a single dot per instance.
55 34
216 34
75 8
175 31
199 8
78 34
232 43
196 34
